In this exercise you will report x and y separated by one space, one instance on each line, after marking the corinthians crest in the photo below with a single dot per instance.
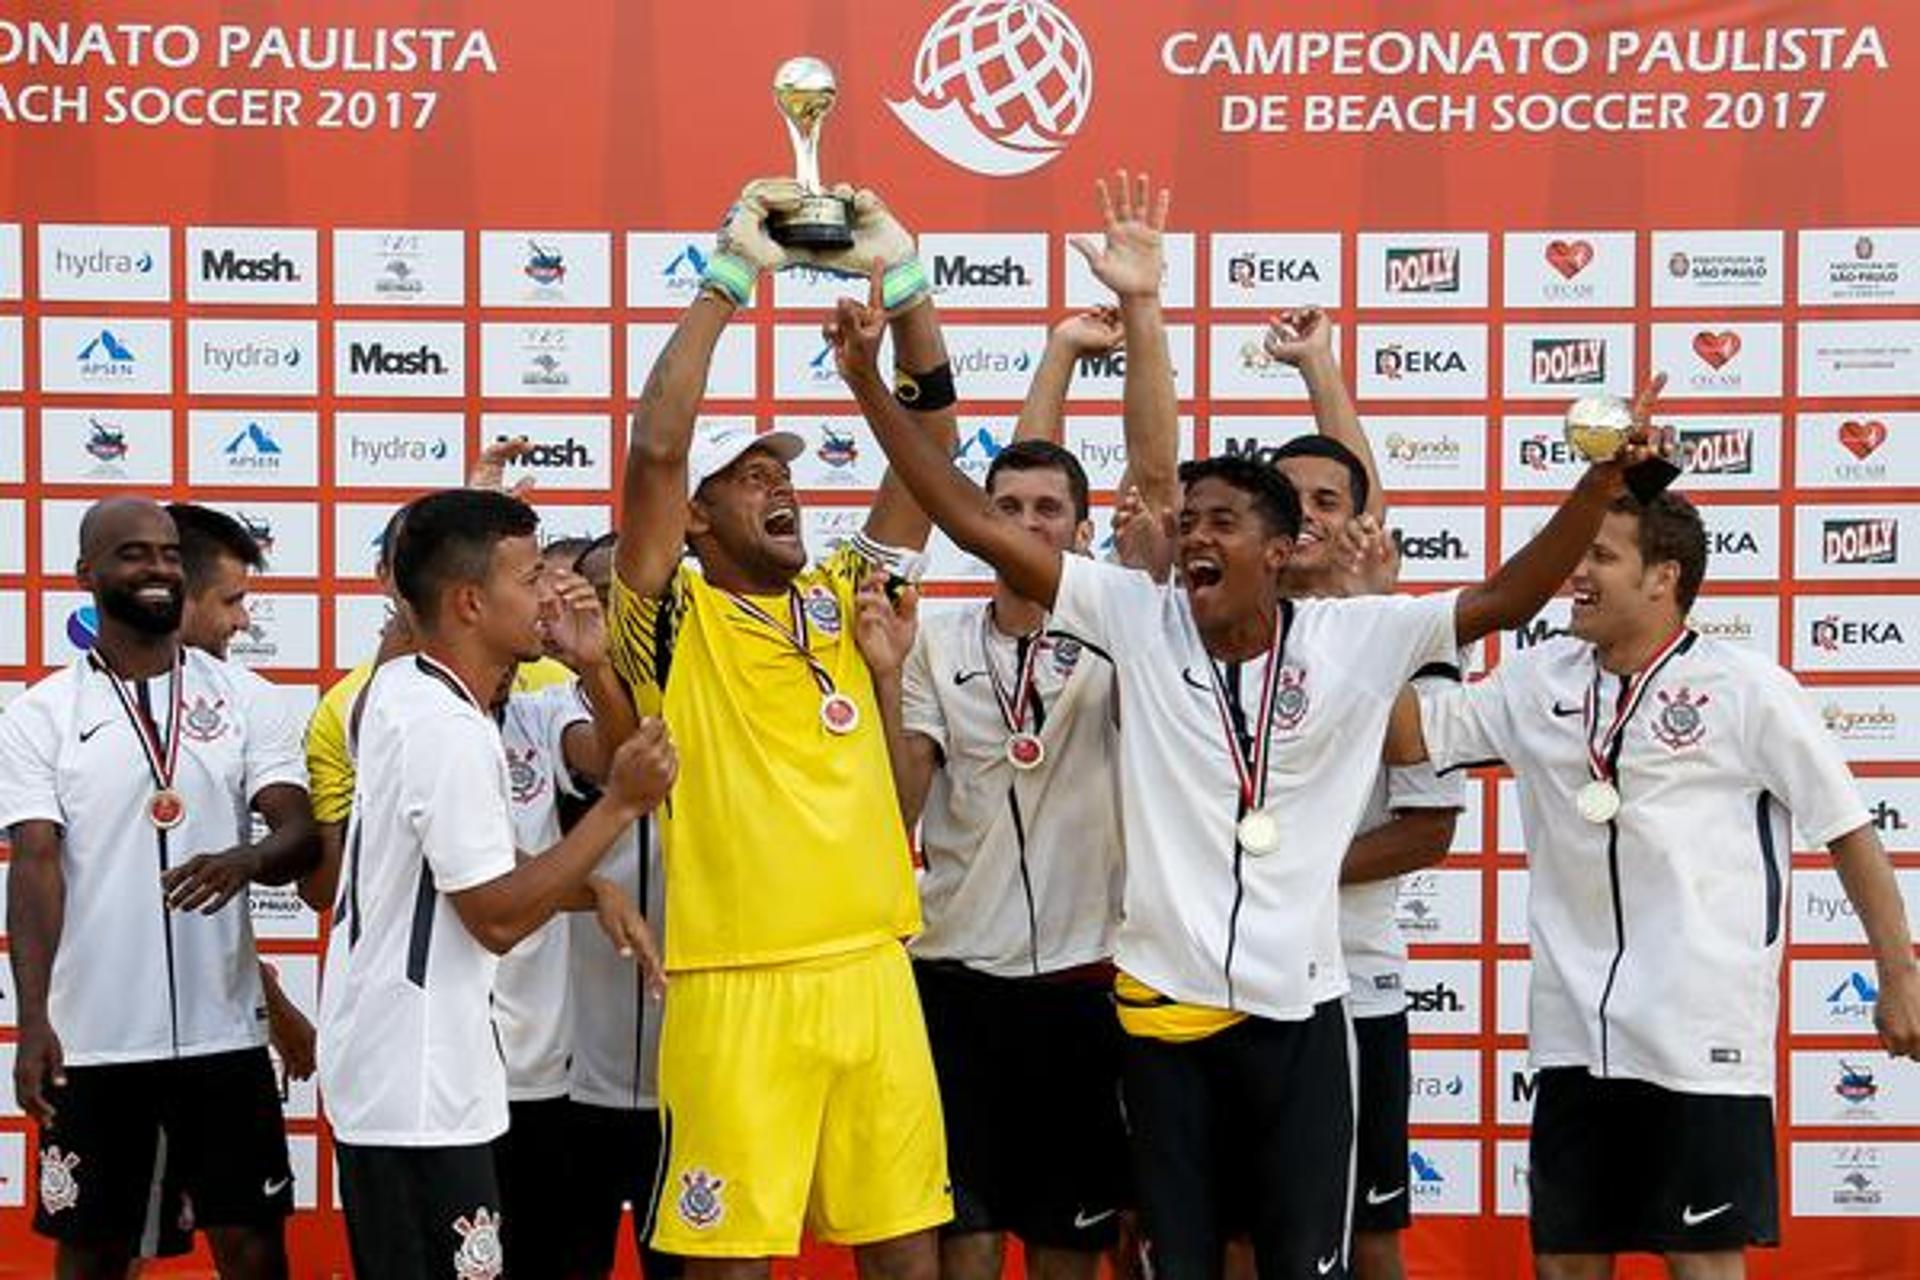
203 721
1290 699
479 1256
700 1198
1680 723
527 780
59 1189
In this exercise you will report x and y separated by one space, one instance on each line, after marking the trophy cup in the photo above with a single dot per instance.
804 90
1596 427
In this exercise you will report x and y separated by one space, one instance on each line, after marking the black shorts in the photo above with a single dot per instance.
1249 1129
612 1166
1380 1178
530 1161
421 1213
1029 1073
201 1137
1623 1166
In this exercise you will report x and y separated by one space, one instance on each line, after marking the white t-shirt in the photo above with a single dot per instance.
530 999
1370 939
1203 923
1721 758
616 1024
1023 871
133 981
407 1051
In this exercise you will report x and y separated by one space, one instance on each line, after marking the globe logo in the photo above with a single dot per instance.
83 627
1000 86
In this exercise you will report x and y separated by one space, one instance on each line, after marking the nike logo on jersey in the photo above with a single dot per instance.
1374 1196
1326 1265
274 1186
1692 1219
961 677
1082 1219
88 733
1565 711
1186 673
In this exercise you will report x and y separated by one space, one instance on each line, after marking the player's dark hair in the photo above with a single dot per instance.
390 535
205 536
1044 455
1272 493
1670 528
448 538
566 548
1333 450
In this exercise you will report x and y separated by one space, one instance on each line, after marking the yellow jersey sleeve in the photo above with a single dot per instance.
641 632
329 762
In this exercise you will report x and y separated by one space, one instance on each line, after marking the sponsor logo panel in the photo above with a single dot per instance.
1853 633
13 368
1101 446
1511 1196
1822 911
1862 266
663 267
1855 1179
13 465
1445 1086
1566 362
1568 268
545 268
13 530
357 620
1728 451
566 451
1422 362
1832 997
1856 1087
731 376
557 360
1102 376
1750 621
1443 996
282 631
1511 897
1859 357
253 447
840 453
399 360
252 265
1440 544
106 355
1421 269
1443 1176
1876 543
1534 454
1176 289
1893 804
89 263
1428 454
253 357
11 275
1511 981
1517 1085
106 446
399 450
400 268
1268 271
1858 449
990 362
1718 359
1717 268
1874 725
991 271
1439 906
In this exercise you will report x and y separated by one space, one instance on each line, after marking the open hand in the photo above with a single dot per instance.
1133 260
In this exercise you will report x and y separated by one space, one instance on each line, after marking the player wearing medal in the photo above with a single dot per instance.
432 891
1662 776
139 990
796 1084
1011 727
1250 733
1410 813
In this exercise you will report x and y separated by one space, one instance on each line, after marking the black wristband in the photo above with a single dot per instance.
925 392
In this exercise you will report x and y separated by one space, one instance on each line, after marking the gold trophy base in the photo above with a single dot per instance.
817 222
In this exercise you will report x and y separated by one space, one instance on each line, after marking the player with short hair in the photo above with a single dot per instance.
1249 732
432 892
796 1084
1662 776
139 994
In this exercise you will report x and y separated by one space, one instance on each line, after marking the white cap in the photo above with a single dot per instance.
717 445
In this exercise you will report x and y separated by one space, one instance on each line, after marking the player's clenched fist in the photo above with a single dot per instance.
644 767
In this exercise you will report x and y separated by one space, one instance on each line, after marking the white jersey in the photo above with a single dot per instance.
1023 871
1371 943
616 1023
1656 937
1205 923
133 981
530 1007
407 1051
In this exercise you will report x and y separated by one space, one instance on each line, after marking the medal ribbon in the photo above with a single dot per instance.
162 757
795 635
1601 754
1013 707
1252 773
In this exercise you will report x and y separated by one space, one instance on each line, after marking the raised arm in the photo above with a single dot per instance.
1131 263
578 634
653 491
1089 332
1519 588
925 467
1303 338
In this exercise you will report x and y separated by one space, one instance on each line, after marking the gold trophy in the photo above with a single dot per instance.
1596 428
804 90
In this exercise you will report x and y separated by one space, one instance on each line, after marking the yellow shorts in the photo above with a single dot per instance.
795 1095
